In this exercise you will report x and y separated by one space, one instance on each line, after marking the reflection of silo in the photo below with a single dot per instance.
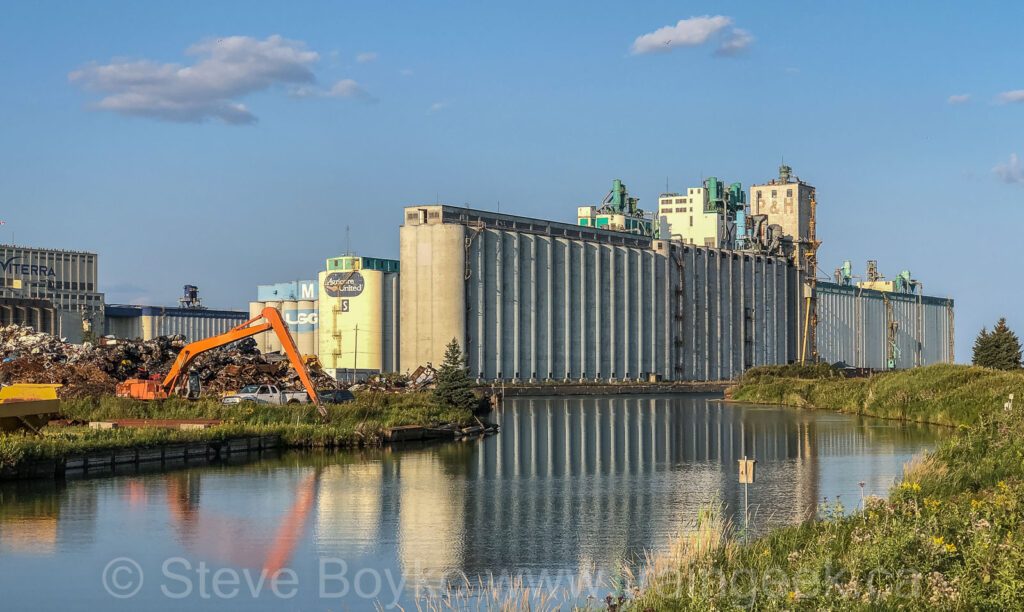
254 311
273 344
349 509
431 518
306 328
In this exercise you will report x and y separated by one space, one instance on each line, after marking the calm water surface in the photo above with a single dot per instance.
570 485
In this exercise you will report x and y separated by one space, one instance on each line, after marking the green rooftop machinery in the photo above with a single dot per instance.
727 200
844 275
618 201
903 283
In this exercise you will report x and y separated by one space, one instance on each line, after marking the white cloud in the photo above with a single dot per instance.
735 42
345 88
405 72
1010 97
226 69
367 56
436 106
959 99
694 32
1012 172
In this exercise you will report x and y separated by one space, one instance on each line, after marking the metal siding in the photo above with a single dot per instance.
853 327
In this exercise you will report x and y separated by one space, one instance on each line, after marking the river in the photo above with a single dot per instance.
572 489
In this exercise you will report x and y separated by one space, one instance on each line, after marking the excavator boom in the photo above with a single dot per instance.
268 319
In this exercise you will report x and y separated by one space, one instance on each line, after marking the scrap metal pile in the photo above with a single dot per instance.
424 378
27 356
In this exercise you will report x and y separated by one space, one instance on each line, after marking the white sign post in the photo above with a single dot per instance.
746 478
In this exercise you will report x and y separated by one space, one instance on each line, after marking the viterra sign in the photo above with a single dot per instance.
26 269
344 284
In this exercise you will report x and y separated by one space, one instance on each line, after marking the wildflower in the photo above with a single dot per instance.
766 552
916 487
951 548
792 594
1001 484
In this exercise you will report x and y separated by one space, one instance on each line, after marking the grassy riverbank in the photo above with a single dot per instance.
950 535
360 422
943 394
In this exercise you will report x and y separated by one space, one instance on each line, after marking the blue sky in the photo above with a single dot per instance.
351 111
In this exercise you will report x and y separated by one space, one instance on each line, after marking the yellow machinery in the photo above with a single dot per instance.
28 406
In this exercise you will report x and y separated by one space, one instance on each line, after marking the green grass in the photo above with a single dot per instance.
943 394
359 422
950 535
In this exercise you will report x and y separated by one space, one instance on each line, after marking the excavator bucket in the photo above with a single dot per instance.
27 406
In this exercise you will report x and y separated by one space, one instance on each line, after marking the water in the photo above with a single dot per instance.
570 487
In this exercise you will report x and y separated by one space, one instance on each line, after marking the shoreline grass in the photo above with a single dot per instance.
940 394
950 535
357 423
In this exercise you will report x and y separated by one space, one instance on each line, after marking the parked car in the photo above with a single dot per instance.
265 394
335 396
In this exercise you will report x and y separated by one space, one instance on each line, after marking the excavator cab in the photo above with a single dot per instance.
192 387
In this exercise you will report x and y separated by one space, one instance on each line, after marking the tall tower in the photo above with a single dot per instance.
786 201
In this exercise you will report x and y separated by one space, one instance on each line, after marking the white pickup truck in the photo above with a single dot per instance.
265 394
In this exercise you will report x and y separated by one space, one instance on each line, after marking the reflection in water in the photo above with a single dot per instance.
569 483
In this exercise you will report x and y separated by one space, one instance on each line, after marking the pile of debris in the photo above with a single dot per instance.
23 341
85 370
422 379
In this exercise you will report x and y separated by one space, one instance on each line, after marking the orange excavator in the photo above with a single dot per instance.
269 318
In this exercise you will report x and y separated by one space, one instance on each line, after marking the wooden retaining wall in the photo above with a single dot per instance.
106 462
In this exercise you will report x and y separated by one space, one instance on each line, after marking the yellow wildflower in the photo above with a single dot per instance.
792 594
1001 484
951 548
937 540
917 487
766 552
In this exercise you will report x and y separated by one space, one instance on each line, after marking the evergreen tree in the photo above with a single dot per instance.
981 344
999 349
453 383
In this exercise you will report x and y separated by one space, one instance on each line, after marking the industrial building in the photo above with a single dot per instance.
529 299
42 316
618 211
787 203
133 322
359 315
348 317
882 324
298 302
67 280
706 216
715 286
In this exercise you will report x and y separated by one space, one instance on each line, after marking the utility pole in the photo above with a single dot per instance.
355 355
